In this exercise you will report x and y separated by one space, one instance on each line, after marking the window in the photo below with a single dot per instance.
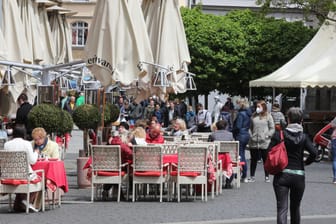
79 33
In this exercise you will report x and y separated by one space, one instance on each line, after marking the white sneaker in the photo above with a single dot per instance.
251 180
267 180
244 180
31 207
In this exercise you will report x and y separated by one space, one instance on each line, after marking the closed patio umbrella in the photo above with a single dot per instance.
117 42
169 44
32 30
16 42
13 32
59 34
45 32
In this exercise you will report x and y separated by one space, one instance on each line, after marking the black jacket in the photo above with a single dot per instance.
296 143
22 115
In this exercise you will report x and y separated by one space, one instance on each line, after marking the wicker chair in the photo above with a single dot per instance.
232 147
15 176
191 168
107 168
148 167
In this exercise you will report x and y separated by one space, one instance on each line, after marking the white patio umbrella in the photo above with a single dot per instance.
3 47
59 34
68 37
117 42
13 32
169 44
32 30
45 31
16 42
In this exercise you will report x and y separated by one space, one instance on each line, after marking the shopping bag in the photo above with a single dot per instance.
277 158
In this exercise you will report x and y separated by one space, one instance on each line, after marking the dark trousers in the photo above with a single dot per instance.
255 156
294 185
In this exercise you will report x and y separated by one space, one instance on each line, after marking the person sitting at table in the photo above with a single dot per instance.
221 134
154 135
139 136
179 128
46 147
123 138
19 144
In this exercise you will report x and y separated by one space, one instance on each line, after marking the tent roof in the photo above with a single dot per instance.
314 65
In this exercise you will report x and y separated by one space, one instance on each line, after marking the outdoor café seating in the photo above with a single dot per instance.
191 169
148 168
231 148
106 168
15 177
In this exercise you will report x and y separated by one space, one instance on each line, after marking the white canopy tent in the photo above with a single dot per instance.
313 66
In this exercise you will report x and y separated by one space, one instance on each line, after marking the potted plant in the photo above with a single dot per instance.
86 117
111 114
50 117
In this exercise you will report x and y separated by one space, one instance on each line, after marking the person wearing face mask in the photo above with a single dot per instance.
261 130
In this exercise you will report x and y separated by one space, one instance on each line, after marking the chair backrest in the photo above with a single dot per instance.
231 147
193 158
14 165
147 158
200 134
212 149
171 138
169 148
106 157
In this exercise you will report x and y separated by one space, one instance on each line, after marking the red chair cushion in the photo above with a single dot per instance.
20 181
110 173
186 174
149 173
234 164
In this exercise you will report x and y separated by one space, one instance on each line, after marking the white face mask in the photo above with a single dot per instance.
259 110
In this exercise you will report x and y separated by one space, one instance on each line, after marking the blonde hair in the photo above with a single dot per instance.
39 132
243 103
182 124
213 127
139 132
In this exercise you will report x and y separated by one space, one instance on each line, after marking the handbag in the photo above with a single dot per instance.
277 158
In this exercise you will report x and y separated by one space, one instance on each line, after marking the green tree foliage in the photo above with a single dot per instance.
229 51
51 118
320 8
111 113
86 116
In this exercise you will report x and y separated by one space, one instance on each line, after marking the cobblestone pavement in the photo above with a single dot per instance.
252 203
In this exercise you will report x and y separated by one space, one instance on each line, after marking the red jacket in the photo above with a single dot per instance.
126 151
159 139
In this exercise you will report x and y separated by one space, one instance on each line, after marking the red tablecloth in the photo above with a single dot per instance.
226 163
169 158
54 171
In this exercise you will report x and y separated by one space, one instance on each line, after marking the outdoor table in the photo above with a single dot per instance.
226 163
54 171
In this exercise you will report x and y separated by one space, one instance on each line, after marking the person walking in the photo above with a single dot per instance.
291 181
216 111
278 117
240 132
261 131
333 148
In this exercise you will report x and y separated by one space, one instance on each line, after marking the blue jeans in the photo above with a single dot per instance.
333 151
243 140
